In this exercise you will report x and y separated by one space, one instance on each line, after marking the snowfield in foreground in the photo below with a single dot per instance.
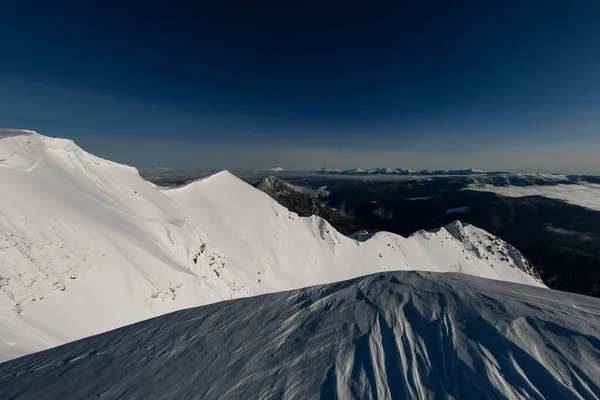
388 335
86 245
583 194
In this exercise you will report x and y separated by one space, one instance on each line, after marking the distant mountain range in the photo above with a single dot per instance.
397 171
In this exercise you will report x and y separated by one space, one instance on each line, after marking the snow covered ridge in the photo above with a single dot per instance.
389 335
24 150
86 245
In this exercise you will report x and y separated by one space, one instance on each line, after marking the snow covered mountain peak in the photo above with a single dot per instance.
457 230
25 149
218 178
87 245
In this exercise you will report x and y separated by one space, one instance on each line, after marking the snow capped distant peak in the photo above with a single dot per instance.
397 171
274 183
325 170
466 171
276 169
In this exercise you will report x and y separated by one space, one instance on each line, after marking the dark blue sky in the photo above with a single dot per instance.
511 85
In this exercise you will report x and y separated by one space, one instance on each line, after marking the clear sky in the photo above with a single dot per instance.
498 85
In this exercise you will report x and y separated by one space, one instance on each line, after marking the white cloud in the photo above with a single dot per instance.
383 213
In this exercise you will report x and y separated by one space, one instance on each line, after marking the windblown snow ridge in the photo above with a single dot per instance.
389 335
25 150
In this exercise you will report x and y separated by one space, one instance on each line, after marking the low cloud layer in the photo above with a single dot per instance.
585 237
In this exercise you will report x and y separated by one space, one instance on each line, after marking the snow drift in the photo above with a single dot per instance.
86 245
389 335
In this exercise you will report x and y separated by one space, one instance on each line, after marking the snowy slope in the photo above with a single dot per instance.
582 194
389 335
86 245
263 240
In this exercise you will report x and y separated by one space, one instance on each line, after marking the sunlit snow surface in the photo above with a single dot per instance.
584 194
86 245
401 335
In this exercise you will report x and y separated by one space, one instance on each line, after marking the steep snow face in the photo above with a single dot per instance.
86 245
390 335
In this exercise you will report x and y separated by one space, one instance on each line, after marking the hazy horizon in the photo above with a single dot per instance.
194 156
